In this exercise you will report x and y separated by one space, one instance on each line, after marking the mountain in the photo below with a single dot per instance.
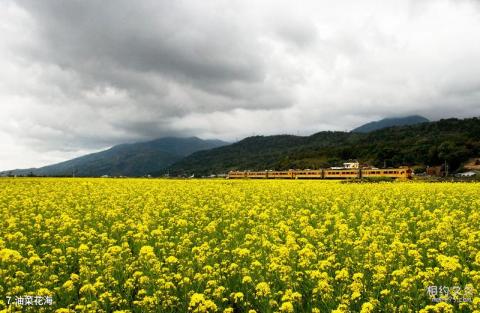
389 122
135 159
432 143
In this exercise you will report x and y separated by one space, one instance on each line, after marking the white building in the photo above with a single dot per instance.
467 174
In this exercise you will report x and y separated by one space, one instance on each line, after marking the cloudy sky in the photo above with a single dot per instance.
78 76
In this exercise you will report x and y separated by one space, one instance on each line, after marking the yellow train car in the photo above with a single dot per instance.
402 172
280 174
341 173
237 174
308 174
262 174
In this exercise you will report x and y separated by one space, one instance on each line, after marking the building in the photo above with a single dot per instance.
467 174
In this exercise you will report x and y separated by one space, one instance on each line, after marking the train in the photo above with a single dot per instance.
403 172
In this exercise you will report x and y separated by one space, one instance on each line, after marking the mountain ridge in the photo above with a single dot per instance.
390 122
452 140
128 159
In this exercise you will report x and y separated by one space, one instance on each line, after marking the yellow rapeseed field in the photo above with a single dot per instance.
139 245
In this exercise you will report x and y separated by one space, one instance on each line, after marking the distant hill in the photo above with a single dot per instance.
136 159
453 140
389 122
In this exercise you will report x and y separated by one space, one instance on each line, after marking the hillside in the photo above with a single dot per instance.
136 159
390 122
453 140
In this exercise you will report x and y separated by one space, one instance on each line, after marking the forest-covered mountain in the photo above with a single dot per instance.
451 140
389 122
135 159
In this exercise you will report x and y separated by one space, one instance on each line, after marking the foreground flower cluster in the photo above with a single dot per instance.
133 245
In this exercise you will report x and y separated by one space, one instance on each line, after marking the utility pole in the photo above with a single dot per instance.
446 168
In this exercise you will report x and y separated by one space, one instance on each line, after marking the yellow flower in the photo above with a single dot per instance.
83 248
262 289
172 260
291 296
147 252
8 255
238 297
341 275
449 264
477 258
87 289
287 307
367 307
68 285
246 279
199 304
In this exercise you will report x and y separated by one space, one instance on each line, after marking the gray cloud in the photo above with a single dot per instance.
83 75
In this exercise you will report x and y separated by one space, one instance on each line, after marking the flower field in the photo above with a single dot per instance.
139 245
